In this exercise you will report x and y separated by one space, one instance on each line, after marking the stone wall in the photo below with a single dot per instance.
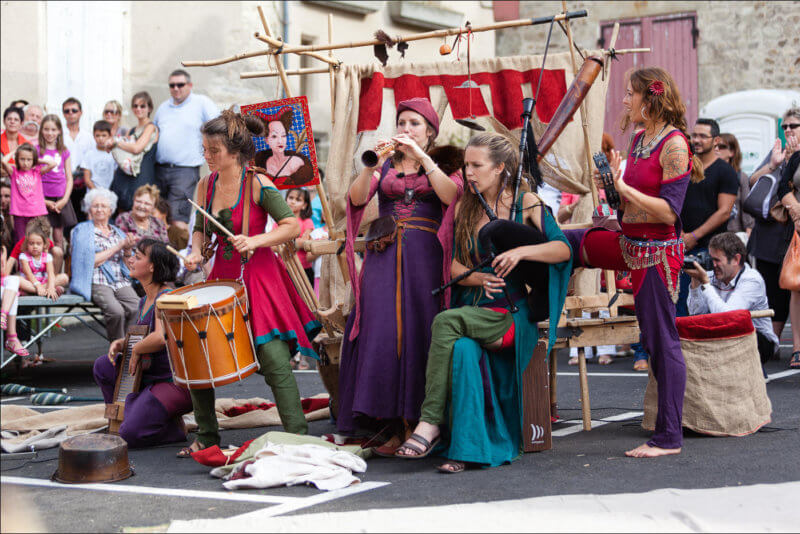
742 45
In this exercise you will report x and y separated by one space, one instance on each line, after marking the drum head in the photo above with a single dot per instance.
211 293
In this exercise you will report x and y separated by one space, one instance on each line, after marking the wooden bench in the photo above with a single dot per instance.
41 310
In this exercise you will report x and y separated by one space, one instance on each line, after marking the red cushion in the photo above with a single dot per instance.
723 325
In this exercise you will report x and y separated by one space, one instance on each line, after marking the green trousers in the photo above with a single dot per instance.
481 324
274 359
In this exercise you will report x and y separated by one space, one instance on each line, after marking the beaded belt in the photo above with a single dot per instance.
641 254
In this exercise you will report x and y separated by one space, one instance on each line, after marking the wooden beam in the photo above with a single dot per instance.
273 73
427 35
215 62
276 43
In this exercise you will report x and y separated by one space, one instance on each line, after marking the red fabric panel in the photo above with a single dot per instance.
459 98
505 87
723 325
213 456
370 103
408 86
554 87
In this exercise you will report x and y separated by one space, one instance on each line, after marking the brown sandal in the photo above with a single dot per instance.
186 452
420 453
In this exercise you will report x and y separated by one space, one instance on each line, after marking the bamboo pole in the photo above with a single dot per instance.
419 36
215 62
320 191
276 43
273 73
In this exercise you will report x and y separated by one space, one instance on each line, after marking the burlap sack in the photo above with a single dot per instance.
726 394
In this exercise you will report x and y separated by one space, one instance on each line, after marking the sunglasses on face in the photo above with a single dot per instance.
112 111
787 127
722 147
139 106
71 110
177 85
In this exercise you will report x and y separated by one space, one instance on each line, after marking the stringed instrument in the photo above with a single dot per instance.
607 177
126 383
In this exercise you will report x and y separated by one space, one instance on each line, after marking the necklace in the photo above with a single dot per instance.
643 152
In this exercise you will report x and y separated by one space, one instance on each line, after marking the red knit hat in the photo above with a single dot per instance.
422 106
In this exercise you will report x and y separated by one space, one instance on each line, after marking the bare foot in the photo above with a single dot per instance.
646 451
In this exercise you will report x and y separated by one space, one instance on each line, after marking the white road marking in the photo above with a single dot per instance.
148 490
577 424
782 374
11 399
320 498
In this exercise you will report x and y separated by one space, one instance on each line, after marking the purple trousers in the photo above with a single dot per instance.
152 416
655 312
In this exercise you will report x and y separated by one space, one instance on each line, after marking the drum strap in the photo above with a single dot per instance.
248 198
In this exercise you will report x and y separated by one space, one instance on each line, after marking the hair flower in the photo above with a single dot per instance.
657 88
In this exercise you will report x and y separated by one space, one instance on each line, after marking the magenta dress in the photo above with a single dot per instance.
276 309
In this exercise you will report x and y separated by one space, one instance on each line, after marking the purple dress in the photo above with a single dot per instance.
386 340
152 415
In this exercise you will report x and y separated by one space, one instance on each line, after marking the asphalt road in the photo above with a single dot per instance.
579 462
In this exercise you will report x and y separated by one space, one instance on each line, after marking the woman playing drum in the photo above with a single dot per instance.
151 414
280 321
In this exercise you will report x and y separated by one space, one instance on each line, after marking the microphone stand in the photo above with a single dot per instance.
527 109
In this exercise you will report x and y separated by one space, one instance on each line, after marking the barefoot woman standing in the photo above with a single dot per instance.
657 174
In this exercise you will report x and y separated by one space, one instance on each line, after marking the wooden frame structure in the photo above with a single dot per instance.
577 332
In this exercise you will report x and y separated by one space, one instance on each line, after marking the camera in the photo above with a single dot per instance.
703 258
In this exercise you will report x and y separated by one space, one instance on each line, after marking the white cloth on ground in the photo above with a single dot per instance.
290 465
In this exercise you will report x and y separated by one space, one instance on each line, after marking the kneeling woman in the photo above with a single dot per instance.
479 349
152 415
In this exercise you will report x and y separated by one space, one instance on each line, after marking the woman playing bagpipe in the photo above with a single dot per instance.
480 346
151 414
281 323
652 189
385 347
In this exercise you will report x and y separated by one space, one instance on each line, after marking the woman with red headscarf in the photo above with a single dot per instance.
386 340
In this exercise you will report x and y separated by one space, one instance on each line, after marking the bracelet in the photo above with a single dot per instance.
694 236
428 173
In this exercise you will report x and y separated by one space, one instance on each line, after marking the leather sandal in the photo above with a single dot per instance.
186 452
794 361
19 351
420 453
456 466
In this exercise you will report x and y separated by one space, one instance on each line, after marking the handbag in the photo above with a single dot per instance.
790 272
763 202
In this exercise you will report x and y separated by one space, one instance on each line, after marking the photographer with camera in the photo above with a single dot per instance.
723 281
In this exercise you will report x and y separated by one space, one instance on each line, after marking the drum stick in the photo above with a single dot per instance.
171 249
211 218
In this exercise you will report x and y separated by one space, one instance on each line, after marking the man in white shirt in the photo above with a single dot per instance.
732 285
180 145
77 142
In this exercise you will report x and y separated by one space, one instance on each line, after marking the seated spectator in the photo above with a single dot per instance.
32 122
732 285
141 221
36 263
11 138
136 154
98 164
99 273
13 260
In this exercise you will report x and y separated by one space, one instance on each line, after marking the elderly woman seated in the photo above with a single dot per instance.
99 272
142 221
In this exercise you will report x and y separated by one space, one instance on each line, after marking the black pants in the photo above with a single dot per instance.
777 298
766 347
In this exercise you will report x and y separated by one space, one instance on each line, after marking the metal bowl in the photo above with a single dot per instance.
92 458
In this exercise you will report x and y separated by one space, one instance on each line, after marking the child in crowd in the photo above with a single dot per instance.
36 263
9 293
57 183
299 202
27 195
98 164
